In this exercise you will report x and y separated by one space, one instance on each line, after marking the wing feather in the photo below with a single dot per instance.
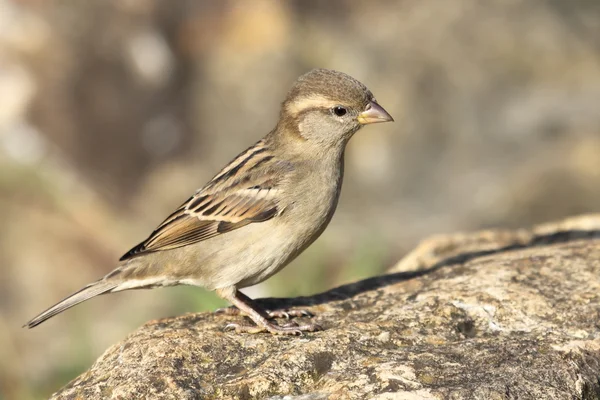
217 209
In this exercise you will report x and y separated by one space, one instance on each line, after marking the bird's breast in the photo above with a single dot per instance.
315 200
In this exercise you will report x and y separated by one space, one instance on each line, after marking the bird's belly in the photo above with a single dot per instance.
263 250
239 258
286 239
245 256
286 244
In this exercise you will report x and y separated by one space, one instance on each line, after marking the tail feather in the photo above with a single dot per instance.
91 290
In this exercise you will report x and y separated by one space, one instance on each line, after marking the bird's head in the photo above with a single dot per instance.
328 107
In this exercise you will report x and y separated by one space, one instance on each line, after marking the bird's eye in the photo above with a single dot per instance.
339 111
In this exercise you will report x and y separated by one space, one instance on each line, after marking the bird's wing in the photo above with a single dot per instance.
246 191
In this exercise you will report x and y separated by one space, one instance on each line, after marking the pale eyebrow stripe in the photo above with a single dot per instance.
305 103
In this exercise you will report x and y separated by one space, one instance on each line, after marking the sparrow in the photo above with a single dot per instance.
259 212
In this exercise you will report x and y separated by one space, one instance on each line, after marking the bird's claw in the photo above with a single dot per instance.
243 328
291 328
287 314
233 310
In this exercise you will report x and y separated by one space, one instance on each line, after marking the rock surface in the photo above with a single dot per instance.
488 315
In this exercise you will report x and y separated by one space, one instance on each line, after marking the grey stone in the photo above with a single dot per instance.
488 315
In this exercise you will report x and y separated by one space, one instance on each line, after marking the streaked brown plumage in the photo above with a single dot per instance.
260 211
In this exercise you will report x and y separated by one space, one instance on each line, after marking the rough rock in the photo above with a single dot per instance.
488 315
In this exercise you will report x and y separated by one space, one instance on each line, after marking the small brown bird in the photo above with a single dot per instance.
259 212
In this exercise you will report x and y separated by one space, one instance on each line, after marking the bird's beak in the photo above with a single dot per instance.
373 114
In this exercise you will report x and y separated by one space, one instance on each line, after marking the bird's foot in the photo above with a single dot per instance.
291 328
287 314
244 305
231 310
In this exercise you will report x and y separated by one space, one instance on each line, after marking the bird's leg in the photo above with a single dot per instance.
287 314
246 306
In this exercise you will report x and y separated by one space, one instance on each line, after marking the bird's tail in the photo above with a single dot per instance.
91 290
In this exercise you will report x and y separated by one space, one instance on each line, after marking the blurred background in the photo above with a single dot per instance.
112 112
